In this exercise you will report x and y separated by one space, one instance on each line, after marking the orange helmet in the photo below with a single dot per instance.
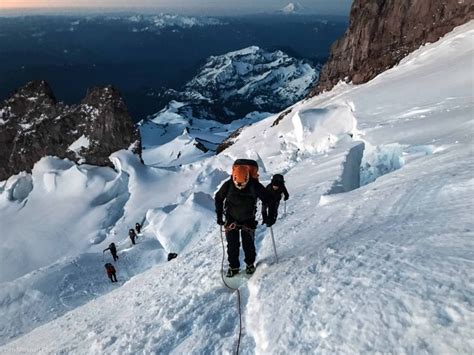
240 176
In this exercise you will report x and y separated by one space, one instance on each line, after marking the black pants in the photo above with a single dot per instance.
115 256
133 240
113 277
233 247
265 210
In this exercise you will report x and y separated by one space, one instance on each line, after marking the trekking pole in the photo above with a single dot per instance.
284 213
274 246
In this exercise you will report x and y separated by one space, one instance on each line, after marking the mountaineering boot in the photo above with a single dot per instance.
232 272
250 269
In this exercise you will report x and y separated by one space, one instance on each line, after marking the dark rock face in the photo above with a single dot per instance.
229 141
33 124
382 32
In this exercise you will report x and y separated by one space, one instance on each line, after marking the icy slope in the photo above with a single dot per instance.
381 268
80 201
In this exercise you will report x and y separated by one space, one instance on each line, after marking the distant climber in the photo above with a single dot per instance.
237 199
171 256
113 251
111 273
276 188
132 235
138 227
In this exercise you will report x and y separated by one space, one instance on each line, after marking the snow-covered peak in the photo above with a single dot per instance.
292 8
239 87
251 79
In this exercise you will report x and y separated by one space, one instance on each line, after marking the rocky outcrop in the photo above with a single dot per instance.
382 32
34 124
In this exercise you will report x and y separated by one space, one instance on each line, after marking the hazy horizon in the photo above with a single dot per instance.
198 7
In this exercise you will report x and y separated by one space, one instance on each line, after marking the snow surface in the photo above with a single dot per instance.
170 139
375 251
78 144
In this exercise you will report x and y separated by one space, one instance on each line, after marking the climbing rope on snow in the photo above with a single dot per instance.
232 289
274 246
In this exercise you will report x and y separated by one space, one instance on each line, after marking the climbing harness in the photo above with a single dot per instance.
234 225
229 287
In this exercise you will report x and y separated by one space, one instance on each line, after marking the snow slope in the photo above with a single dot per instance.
376 247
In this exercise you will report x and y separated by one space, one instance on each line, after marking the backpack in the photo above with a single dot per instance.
250 164
172 256
278 179
110 268
250 195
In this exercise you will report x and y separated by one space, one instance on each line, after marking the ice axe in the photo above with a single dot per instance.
274 246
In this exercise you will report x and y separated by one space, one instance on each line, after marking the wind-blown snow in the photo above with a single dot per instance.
383 268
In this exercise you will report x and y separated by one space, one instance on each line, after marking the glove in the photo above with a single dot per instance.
220 221
270 222
286 198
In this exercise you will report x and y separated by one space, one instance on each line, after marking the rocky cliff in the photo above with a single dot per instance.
34 124
382 32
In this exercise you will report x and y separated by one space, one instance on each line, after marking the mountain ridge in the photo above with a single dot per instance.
34 124
232 85
381 33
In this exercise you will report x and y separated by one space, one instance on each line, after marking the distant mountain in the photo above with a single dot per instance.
150 23
292 8
232 85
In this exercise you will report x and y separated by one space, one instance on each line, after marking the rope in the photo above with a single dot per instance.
232 289
274 246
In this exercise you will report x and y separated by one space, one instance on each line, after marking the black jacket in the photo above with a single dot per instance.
112 248
276 194
240 205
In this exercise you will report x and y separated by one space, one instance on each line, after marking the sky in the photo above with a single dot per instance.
212 6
